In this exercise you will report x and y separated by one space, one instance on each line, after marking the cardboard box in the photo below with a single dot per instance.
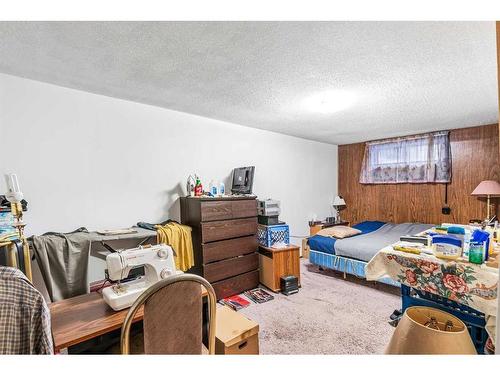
235 334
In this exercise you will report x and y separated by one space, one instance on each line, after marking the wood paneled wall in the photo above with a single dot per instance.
475 157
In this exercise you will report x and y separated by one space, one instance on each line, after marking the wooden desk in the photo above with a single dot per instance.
81 318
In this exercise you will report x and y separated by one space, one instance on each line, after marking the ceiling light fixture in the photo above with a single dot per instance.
329 101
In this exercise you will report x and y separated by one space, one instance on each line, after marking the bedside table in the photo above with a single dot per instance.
275 263
313 229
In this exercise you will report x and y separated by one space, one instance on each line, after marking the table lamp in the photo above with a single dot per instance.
338 204
487 189
425 330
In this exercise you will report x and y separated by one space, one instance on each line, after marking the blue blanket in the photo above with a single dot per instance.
327 244
365 246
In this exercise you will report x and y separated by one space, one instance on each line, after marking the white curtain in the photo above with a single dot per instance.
424 158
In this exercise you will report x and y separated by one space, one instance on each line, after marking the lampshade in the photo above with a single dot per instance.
412 336
486 188
338 201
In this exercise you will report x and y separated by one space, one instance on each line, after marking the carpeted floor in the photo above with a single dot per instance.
329 315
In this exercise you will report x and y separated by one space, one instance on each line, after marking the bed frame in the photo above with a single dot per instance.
346 265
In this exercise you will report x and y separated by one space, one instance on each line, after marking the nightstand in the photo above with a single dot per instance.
318 225
277 262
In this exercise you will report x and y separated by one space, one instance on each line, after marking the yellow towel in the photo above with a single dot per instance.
178 237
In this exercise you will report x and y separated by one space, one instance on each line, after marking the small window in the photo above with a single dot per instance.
424 158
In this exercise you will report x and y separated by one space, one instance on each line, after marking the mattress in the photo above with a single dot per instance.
375 236
326 245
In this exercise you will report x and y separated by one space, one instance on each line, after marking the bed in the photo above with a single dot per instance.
350 255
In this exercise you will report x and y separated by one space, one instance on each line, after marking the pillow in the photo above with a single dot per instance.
339 231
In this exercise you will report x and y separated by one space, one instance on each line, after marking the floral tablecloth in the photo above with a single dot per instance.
466 283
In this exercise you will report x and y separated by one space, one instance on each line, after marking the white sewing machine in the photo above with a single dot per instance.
158 262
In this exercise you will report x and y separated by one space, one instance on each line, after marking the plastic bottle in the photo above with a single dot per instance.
213 188
467 239
477 252
222 189
198 188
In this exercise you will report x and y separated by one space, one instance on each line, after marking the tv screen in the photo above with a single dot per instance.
242 180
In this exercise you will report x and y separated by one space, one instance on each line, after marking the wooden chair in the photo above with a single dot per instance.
173 317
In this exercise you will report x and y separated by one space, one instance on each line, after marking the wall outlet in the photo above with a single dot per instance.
446 210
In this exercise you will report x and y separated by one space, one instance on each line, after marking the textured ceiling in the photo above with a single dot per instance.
387 78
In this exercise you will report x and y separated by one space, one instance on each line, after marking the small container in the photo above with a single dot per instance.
476 252
457 232
467 239
482 236
446 247
222 189
213 188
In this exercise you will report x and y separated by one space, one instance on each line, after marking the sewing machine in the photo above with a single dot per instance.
158 262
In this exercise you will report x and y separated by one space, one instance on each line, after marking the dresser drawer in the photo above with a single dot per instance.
222 230
230 267
220 250
244 208
218 210
237 284
225 210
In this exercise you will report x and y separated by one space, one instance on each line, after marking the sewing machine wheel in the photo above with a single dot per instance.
165 273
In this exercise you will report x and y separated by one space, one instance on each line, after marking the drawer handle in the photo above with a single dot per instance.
242 345
219 227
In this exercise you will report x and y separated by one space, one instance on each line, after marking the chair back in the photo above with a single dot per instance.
173 316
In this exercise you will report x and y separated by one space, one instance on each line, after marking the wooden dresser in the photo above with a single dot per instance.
224 241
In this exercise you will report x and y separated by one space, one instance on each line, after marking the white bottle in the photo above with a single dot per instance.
222 189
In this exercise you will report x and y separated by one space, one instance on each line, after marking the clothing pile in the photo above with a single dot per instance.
178 237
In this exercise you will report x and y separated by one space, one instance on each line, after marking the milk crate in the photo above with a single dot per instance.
473 319
270 234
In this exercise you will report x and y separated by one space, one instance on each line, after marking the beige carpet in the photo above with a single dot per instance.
329 315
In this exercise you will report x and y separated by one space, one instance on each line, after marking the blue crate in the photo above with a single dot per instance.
268 235
473 319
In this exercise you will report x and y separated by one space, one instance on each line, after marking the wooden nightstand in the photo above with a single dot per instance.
275 263
313 229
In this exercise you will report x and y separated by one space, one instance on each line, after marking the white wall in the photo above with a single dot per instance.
90 160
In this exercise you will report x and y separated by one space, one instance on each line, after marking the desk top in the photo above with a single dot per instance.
140 233
289 247
81 318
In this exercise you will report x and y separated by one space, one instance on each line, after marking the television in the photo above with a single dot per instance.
242 180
